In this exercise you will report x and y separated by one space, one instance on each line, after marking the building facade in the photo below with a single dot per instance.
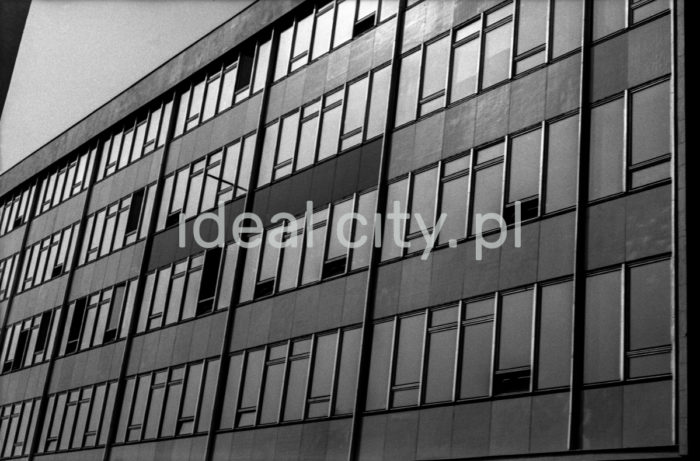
126 335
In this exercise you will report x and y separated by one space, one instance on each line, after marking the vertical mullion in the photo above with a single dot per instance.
340 333
392 361
458 349
544 130
534 336
309 377
423 359
505 178
495 340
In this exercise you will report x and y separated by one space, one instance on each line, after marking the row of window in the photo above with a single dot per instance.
612 16
310 377
99 318
118 225
474 184
17 424
478 55
66 182
78 418
309 248
170 402
15 210
49 258
223 86
330 25
213 180
341 120
30 341
484 347
134 138
630 140
187 289
8 270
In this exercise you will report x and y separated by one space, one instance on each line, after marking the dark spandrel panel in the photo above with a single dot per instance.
562 156
649 365
435 426
510 426
550 423
471 429
606 234
647 414
602 424
602 335
648 223
556 249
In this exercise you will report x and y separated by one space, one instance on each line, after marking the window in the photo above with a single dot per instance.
497 41
228 87
379 99
268 270
293 238
315 239
423 206
441 354
406 104
354 113
330 125
524 175
248 405
76 319
532 34
488 176
366 206
302 42
642 10
323 31
297 369
454 198
602 328
347 374
515 333
650 142
406 375
554 350
436 59
561 164
287 146
321 379
344 22
395 203
212 95
567 28
262 61
274 376
307 135
476 352
649 328
608 17
337 253
606 144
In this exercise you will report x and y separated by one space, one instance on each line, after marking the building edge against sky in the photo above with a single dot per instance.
117 343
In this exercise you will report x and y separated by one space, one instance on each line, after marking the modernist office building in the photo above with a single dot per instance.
120 342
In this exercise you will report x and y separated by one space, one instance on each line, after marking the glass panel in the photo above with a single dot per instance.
366 207
441 357
476 358
355 107
296 386
347 374
155 405
524 178
212 95
562 153
288 141
228 88
330 128
315 240
268 154
231 393
284 52
532 24
246 165
487 195
409 347
607 143
343 22
251 383
437 55
322 33
335 247
307 143
465 69
378 102
650 305
554 354
379 366
651 174
408 89
454 205
651 122
208 390
496 55
396 200
302 41
165 123
189 399
292 255
568 21
172 403
181 113
608 17
263 61
423 200
515 330
602 335
272 392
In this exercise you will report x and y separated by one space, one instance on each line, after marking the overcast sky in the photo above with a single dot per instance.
75 55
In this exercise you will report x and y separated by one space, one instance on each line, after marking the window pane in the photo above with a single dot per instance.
165 123
366 207
355 107
607 141
476 357
344 22
172 404
263 61
322 34
315 239
252 382
651 123
324 358
268 154
441 358
292 255
409 347
496 55
602 336
307 142
246 164
227 275
379 366
228 88
302 41
155 405
487 195
423 199
231 393
189 400
288 140
454 206
296 381
562 153
347 375
524 166
330 128
196 102
378 102
608 17
532 24
396 199
283 53
208 390
650 305
568 20
408 89
435 68
515 330
212 95
554 355
465 69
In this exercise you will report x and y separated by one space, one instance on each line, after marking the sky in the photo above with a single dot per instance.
75 55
